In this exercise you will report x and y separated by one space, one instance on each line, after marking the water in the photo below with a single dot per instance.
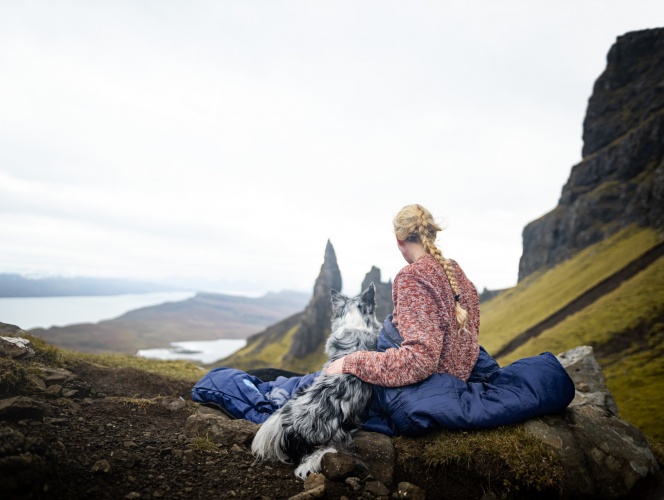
203 351
34 312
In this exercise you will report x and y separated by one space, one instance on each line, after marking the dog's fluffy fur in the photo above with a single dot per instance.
321 418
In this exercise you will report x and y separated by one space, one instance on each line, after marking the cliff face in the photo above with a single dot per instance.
315 323
621 178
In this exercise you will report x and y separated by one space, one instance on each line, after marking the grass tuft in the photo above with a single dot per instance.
13 376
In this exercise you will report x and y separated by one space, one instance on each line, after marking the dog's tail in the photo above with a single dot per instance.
269 442
312 463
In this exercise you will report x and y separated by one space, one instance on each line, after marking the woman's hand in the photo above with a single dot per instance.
336 367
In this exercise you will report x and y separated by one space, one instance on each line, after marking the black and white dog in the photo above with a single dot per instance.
322 417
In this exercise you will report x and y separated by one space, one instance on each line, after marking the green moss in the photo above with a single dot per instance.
543 293
13 376
204 444
509 456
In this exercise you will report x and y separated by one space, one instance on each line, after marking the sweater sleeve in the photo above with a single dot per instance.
419 320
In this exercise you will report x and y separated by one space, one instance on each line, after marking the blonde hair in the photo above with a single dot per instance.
415 223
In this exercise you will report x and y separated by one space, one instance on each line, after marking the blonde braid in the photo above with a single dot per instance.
426 230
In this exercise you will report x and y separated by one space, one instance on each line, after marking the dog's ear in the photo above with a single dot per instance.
369 298
338 301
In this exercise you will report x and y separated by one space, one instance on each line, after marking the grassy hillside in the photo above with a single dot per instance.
625 326
545 292
267 350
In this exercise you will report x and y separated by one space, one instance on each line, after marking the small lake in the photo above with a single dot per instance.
203 351
44 312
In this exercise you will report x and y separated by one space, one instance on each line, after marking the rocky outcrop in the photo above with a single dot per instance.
384 304
621 178
315 322
629 91
602 455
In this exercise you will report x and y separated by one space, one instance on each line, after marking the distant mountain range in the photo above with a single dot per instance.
16 285
206 316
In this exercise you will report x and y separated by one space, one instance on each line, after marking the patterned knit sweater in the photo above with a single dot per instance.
425 317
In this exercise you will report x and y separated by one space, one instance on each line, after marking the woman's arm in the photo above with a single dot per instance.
419 318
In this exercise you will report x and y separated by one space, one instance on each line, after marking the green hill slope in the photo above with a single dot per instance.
543 293
625 326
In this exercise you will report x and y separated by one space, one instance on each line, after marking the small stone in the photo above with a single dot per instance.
376 488
101 466
69 393
314 481
337 466
409 490
37 382
133 495
236 449
317 492
57 375
54 421
173 404
354 482
53 391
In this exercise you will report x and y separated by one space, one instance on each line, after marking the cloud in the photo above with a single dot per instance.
231 140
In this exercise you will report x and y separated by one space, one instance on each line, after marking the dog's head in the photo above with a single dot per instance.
356 312
354 325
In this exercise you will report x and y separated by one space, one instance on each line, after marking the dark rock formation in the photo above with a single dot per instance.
384 304
629 91
315 323
621 178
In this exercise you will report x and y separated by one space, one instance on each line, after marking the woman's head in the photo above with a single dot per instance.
414 223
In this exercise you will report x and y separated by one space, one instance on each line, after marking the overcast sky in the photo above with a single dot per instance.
229 140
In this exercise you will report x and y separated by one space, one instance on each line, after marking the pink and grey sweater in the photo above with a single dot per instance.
425 317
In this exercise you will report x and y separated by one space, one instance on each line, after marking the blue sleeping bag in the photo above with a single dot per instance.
493 396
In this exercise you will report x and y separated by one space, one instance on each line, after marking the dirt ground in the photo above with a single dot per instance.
121 436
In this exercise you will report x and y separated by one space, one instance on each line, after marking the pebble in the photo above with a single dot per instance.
102 466
133 495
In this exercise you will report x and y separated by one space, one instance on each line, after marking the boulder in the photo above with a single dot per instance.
220 430
376 452
602 455
589 382
337 466
15 348
21 408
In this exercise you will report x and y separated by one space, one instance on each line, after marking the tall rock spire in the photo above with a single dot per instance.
316 318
